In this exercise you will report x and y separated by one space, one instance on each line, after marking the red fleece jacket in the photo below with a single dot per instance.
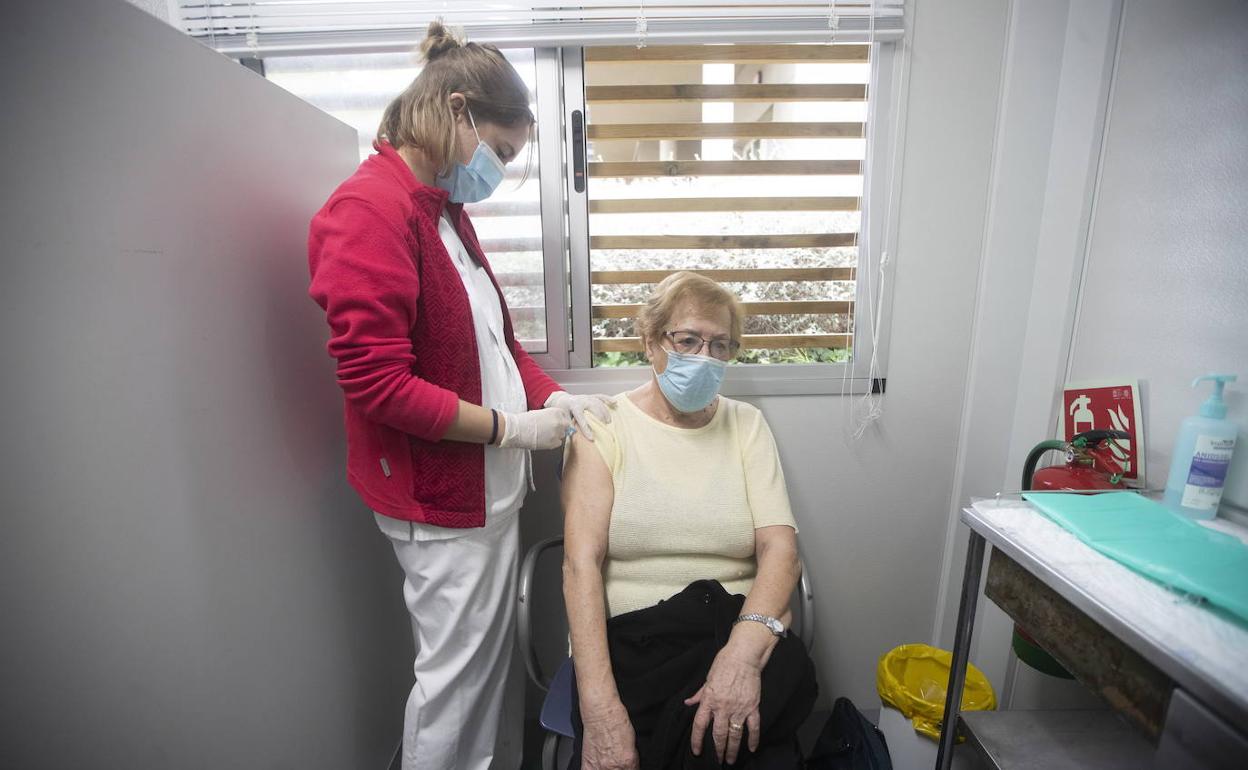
401 331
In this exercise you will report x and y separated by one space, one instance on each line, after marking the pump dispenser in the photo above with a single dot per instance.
1202 454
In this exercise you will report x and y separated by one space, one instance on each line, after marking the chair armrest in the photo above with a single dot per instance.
806 597
524 618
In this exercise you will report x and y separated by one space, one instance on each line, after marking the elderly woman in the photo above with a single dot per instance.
676 509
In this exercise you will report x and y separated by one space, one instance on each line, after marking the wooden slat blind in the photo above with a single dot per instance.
726 168
635 131
730 274
670 242
745 92
774 203
797 241
749 342
792 307
659 110
738 54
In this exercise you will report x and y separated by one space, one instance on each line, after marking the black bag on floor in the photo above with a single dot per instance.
849 741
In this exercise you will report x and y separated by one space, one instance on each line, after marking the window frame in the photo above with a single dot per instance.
550 130
566 352
565 228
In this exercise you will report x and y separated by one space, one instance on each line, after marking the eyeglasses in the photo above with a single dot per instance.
691 344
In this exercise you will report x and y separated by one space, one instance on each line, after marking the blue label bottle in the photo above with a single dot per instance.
1202 455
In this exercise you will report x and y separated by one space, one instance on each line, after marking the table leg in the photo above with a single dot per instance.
961 649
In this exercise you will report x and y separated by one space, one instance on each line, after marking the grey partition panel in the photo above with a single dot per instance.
186 579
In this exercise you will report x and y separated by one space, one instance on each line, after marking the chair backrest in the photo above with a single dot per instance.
802 604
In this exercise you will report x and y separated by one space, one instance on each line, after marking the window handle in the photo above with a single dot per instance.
578 151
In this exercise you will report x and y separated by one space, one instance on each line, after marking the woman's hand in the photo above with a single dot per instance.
609 742
536 429
728 702
576 407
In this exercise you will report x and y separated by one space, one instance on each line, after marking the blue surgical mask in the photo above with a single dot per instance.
691 382
477 180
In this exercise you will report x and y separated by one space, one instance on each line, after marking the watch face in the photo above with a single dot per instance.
776 626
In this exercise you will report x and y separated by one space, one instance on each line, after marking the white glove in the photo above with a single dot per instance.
598 405
537 429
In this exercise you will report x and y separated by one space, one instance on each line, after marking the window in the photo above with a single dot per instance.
751 140
742 161
752 163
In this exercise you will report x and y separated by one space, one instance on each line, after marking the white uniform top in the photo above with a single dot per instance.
506 470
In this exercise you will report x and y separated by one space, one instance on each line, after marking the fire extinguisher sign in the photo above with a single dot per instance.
1108 405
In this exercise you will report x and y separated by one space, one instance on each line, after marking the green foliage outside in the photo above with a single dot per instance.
778 356
527 301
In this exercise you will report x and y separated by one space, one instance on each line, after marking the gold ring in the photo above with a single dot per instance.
735 727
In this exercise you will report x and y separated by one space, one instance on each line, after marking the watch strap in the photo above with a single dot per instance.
769 622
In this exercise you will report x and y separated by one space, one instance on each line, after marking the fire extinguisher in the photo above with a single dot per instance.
1090 465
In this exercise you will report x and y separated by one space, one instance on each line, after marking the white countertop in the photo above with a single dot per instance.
1205 652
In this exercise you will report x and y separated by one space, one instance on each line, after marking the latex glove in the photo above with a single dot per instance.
537 429
597 404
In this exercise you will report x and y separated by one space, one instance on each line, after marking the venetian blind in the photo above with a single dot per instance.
259 28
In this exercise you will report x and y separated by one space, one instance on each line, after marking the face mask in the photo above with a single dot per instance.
477 180
690 382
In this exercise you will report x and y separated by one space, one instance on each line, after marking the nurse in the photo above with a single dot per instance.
442 404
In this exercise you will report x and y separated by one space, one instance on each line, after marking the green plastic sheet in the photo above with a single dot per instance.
1157 542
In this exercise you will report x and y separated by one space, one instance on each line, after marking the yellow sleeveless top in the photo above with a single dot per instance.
687 501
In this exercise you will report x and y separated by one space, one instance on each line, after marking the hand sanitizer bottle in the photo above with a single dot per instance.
1202 454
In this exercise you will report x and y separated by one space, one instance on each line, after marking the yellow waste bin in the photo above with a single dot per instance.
913 679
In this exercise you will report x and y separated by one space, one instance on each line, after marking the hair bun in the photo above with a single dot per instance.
438 40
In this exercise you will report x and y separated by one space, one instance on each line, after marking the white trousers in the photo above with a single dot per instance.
465 711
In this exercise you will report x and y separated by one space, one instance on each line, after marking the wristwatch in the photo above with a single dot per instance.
773 624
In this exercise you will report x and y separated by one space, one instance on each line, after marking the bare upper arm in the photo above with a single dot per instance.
587 496
776 539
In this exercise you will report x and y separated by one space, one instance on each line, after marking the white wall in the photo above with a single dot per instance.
1116 177
1057 68
185 579
872 513
1165 297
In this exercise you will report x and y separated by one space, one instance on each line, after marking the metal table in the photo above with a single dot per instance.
1197 706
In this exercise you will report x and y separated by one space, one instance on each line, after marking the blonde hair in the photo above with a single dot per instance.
684 286
422 116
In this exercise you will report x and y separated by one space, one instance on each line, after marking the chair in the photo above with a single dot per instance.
556 714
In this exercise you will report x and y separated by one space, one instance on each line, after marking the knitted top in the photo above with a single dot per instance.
687 501
401 329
